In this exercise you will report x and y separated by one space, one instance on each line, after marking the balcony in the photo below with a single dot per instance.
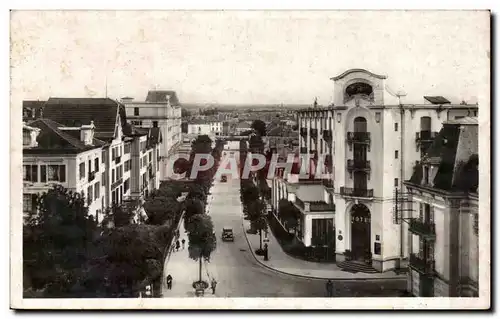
356 192
422 265
118 159
303 132
314 132
328 183
327 135
117 183
91 176
425 137
303 150
423 228
358 138
358 165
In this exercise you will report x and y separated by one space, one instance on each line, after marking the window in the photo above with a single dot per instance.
136 111
56 173
127 166
126 185
127 148
29 203
97 191
475 113
426 175
26 138
90 166
155 123
103 179
396 154
396 127
82 170
149 156
136 123
396 182
112 176
96 163
89 195
30 173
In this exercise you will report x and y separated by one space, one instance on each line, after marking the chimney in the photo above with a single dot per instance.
87 133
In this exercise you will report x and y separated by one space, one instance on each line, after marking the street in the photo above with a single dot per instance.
238 273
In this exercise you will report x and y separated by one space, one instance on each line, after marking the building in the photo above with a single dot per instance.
242 127
160 109
205 127
442 209
67 156
94 148
369 143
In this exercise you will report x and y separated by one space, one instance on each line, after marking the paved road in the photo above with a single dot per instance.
238 273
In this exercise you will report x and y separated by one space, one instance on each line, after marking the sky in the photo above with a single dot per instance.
246 57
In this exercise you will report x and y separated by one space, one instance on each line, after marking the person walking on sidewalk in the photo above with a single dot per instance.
169 282
177 245
329 288
213 285
183 243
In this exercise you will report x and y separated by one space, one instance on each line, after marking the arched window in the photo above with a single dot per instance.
425 124
360 124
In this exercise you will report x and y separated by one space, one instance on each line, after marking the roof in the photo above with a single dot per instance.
155 96
463 121
437 99
244 125
338 77
52 138
34 104
310 193
81 111
132 130
197 122
455 153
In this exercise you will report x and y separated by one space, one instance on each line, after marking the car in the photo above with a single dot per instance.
227 234
223 179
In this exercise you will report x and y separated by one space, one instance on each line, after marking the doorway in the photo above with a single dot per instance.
360 231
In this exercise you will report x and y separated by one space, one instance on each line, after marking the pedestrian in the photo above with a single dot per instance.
214 285
169 282
183 243
329 288
177 245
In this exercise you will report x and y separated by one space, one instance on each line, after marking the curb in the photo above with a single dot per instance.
309 277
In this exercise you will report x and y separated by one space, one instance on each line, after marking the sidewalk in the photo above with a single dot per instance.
184 271
284 263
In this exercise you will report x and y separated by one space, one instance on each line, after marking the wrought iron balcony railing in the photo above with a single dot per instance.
422 265
327 135
356 192
358 165
358 137
425 136
314 132
422 228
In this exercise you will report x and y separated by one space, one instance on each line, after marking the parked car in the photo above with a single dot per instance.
227 234
223 179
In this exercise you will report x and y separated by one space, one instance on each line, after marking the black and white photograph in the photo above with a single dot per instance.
233 159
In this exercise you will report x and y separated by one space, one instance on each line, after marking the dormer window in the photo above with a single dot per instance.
26 138
426 175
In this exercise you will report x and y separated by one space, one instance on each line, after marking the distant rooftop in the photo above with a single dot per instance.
162 97
437 100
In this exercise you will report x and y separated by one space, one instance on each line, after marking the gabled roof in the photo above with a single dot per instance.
161 97
52 138
455 152
338 77
81 111
437 99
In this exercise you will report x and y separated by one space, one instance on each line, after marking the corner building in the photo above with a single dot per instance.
372 143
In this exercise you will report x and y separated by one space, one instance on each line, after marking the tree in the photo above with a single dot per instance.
119 215
202 240
55 241
260 127
289 213
194 206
